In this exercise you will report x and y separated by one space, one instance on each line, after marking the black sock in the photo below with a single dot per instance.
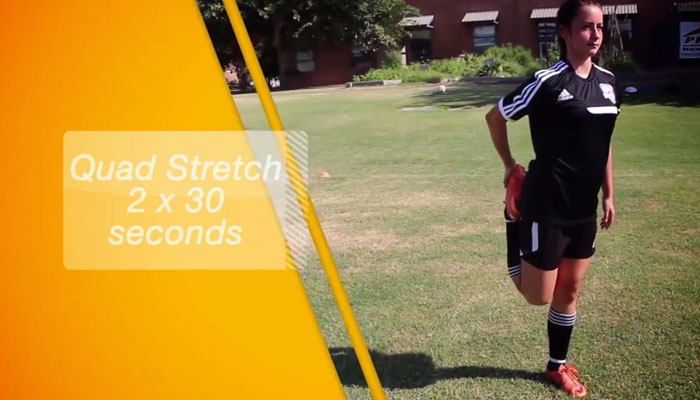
512 245
559 328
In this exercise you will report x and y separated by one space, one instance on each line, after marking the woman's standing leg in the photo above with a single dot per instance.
560 324
563 308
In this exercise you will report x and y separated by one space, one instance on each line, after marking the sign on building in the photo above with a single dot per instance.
690 39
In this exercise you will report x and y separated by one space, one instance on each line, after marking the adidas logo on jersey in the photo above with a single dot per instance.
564 96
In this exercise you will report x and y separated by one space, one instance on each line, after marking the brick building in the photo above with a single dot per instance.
651 29
327 65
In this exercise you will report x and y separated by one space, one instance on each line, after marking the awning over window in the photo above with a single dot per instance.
692 6
543 13
480 16
551 13
620 9
416 22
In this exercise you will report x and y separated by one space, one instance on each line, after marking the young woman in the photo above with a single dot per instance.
572 108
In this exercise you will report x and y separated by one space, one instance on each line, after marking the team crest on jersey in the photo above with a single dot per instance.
608 92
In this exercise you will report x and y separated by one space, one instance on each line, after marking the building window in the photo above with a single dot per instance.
484 37
625 26
546 36
360 58
421 45
305 61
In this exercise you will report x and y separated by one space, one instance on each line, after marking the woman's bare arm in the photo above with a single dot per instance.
499 136
608 203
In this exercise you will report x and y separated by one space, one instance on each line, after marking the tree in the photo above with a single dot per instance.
280 25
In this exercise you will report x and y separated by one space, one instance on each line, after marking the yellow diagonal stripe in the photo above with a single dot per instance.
307 207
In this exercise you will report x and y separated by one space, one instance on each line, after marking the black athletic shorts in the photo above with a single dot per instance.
544 246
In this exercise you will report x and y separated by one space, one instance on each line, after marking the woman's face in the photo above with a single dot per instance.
585 35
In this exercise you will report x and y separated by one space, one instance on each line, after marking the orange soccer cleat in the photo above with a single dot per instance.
513 189
566 377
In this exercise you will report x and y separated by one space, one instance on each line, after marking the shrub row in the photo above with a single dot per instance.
501 61
496 61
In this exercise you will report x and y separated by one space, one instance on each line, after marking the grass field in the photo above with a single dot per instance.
413 213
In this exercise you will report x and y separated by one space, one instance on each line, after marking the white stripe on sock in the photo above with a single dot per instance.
560 314
562 319
514 271
562 323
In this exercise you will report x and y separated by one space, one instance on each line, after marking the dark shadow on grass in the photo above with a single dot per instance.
415 370
464 96
670 88
669 95
671 91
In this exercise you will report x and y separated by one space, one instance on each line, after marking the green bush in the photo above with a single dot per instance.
496 61
619 62
493 67
500 68
418 72
392 59
512 68
412 76
473 63
406 74
380 74
449 66
512 54
552 57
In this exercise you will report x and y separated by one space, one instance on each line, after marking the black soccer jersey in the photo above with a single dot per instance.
571 124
